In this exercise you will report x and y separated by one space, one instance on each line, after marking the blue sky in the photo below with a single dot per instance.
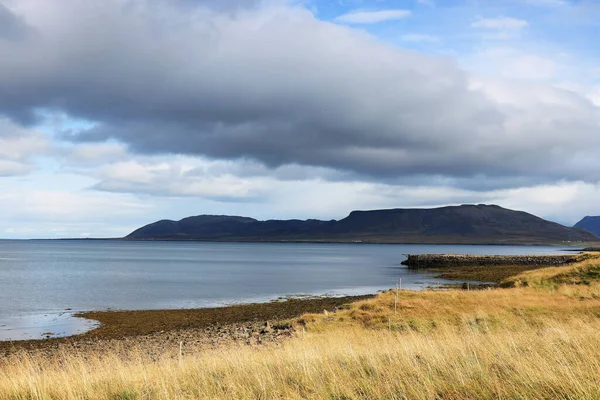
115 114
561 32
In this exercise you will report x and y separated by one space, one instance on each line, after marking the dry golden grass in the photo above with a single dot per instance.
585 272
560 360
539 341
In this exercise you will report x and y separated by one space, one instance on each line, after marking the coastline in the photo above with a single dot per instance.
244 323
534 335
357 241
159 332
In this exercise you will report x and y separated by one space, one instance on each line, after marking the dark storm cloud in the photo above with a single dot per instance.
276 85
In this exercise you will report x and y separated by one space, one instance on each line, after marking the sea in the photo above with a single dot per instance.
44 282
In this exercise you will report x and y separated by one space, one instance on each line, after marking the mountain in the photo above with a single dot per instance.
478 224
590 224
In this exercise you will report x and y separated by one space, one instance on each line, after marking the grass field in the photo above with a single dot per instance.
537 337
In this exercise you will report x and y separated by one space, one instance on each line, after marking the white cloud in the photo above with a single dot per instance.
96 153
26 212
547 3
18 148
594 95
133 171
531 67
178 177
372 17
73 206
563 202
500 24
30 212
515 64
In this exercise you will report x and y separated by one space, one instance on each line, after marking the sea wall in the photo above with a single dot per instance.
415 261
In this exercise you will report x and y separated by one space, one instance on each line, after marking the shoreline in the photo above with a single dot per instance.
245 323
579 246
160 331
534 337
117 324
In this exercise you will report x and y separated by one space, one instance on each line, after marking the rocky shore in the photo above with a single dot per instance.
160 344
160 333
417 261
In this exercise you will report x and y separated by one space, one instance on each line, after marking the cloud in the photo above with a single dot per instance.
372 17
72 206
547 3
18 147
275 86
500 24
563 202
594 95
117 170
513 63
532 67
49 213
172 179
96 154
12 28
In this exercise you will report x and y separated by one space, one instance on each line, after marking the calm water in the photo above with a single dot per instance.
43 282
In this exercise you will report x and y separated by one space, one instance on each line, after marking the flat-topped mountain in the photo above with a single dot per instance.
590 224
480 224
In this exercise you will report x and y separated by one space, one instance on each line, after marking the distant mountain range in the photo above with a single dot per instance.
477 224
590 224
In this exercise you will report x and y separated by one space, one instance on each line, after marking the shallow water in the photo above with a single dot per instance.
40 280
38 326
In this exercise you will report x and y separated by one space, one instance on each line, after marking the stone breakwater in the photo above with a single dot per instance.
415 261
592 249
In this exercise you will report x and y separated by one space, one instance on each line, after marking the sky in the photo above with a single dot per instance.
118 113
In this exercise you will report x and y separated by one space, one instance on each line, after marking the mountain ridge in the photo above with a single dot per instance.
469 223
